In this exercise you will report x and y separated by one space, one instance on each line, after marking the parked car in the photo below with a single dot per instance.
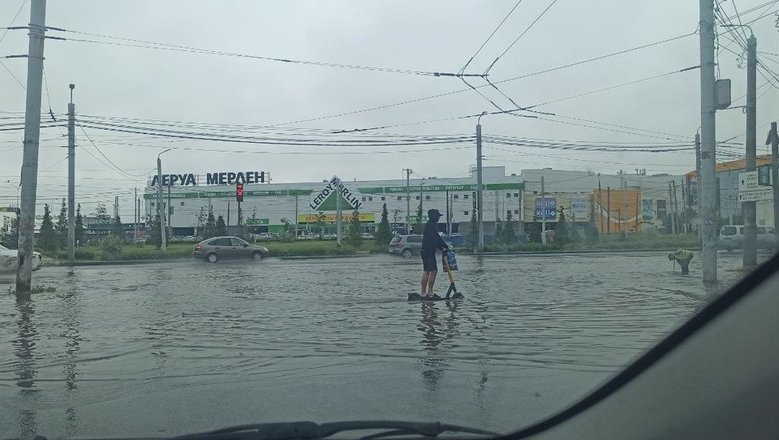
732 237
8 259
405 245
226 247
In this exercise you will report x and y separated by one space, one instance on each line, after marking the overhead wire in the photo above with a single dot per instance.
490 36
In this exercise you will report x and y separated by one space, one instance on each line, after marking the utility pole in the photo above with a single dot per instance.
408 200
708 134
168 209
775 176
608 210
160 212
672 210
71 178
479 192
749 209
135 215
698 186
32 131
338 214
543 212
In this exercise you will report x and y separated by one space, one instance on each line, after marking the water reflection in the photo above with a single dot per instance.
24 346
436 329
71 335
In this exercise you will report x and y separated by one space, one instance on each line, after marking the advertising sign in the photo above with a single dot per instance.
335 186
331 218
546 208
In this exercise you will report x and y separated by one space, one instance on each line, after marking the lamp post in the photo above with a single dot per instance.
163 240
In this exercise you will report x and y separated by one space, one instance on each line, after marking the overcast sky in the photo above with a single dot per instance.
142 83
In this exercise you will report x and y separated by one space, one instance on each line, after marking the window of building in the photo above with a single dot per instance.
516 211
508 212
465 196
400 197
508 195
370 198
427 197
456 196
383 198
171 210
465 212
182 203
416 197
363 198
152 204
516 195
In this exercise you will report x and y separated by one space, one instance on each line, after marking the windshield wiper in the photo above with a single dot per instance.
311 430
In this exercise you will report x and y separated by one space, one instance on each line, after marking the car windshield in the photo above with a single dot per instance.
213 212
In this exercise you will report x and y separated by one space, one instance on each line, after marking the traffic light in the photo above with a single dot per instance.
239 192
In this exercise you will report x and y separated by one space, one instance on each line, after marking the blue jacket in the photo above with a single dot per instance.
431 240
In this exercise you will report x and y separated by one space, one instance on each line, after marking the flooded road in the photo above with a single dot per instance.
159 350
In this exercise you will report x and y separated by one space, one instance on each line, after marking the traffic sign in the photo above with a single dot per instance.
755 196
748 181
239 192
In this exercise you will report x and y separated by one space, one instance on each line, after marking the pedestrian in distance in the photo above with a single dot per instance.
683 257
431 242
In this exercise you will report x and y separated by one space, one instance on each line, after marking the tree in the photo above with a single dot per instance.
11 240
111 247
155 237
62 225
320 223
562 233
117 229
201 219
48 235
473 233
509 235
383 233
418 226
79 225
498 231
220 229
288 233
354 238
101 212
209 229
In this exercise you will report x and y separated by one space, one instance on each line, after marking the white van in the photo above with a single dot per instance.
732 237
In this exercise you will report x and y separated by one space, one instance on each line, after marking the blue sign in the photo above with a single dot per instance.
546 208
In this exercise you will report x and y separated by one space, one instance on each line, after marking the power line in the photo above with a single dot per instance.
136 43
490 37
455 92
24 2
101 152
12 74
520 35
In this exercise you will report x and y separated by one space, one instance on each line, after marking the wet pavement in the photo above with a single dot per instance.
176 347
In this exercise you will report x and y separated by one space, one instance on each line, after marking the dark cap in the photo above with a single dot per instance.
434 214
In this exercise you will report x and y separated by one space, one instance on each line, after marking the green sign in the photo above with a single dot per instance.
439 188
230 194
257 221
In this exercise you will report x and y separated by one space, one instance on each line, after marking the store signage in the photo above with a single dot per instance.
335 186
332 218
220 178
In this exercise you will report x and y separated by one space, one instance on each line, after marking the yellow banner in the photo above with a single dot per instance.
331 218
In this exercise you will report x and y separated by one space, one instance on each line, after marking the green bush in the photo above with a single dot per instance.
111 247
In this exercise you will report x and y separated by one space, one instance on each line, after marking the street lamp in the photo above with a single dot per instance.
479 202
163 244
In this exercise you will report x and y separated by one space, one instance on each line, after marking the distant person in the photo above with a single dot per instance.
683 257
431 241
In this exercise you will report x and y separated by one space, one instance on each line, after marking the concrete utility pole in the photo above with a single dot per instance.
749 209
160 211
673 210
774 136
479 186
408 199
708 134
71 178
135 216
32 131
543 212
698 186
338 215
